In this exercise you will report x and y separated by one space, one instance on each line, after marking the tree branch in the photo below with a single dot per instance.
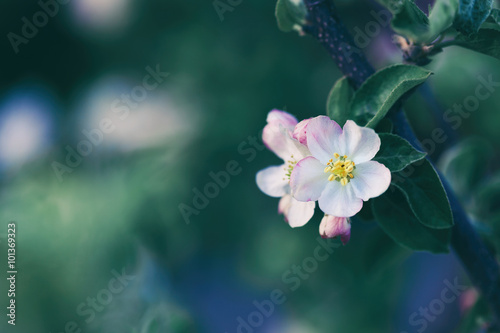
482 267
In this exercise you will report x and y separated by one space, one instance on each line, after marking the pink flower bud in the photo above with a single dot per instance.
299 133
332 226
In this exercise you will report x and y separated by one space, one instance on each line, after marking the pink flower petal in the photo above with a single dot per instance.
278 117
323 138
272 181
300 131
360 144
275 139
308 179
338 200
371 179
332 226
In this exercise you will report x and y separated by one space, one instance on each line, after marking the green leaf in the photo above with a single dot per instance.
339 100
471 15
465 165
486 41
441 18
384 126
495 15
396 153
410 21
397 219
290 14
424 191
381 90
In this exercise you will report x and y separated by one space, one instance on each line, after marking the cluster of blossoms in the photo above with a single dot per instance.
324 163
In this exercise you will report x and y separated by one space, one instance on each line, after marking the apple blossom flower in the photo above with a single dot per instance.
340 174
333 226
275 180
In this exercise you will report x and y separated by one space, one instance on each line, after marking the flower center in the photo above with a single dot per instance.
290 164
341 169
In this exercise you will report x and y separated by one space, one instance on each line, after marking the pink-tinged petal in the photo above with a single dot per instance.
297 149
308 179
299 213
338 200
272 181
371 179
278 117
323 138
276 139
333 226
300 131
360 144
284 204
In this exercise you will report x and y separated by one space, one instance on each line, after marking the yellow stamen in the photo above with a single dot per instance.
340 170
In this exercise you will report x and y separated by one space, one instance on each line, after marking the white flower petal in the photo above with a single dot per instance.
371 179
272 181
276 140
297 149
299 213
308 179
360 144
323 138
338 200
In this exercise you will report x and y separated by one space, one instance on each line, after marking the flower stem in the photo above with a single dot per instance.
481 265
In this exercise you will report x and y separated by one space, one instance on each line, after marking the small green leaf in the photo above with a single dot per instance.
424 191
396 153
471 15
290 14
465 165
441 18
339 100
397 219
486 41
381 90
410 21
